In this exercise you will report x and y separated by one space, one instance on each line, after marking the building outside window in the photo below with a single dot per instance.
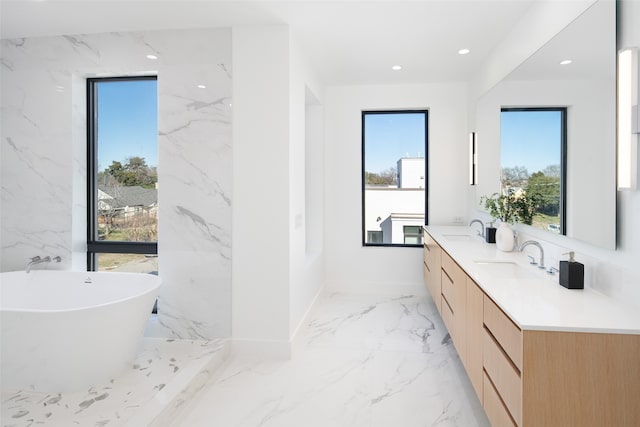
122 175
374 237
394 176
412 235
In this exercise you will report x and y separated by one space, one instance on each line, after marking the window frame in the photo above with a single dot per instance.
95 246
364 114
563 157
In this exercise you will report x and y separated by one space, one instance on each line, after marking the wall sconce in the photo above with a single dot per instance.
628 118
473 159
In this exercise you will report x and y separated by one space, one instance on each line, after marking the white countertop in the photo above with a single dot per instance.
532 298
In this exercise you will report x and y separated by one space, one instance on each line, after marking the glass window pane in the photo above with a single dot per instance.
394 175
532 144
127 159
130 263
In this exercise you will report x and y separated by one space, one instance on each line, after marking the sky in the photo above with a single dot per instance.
530 138
127 121
389 137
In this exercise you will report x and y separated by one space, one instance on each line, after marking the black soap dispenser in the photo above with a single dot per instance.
571 273
490 233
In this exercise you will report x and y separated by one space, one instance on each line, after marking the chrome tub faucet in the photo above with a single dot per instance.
38 260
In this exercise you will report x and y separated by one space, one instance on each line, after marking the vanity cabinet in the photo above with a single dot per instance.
528 377
460 303
431 267
502 361
474 329
454 303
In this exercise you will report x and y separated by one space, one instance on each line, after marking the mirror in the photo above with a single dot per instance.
586 87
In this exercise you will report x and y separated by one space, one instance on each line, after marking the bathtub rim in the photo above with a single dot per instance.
157 282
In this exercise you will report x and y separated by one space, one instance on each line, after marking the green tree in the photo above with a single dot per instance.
547 191
134 172
386 177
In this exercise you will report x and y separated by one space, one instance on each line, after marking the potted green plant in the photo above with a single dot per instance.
509 208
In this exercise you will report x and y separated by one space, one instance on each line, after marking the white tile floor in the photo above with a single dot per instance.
361 361
165 375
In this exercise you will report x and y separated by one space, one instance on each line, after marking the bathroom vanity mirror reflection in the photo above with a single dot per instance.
533 161
586 88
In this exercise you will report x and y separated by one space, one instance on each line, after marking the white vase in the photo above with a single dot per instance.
504 237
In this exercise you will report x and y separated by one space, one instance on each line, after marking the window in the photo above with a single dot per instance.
412 235
394 177
122 178
374 236
533 153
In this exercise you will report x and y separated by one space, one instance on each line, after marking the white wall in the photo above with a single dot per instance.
349 265
274 281
261 225
306 187
44 160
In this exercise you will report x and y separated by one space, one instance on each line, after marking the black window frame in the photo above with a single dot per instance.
563 157
95 246
364 114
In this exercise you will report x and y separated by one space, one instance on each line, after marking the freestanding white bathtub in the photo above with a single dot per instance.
66 331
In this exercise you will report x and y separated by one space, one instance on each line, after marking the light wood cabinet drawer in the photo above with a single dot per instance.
448 290
504 376
493 406
453 270
474 330
508 335
431 250
447 317
433 271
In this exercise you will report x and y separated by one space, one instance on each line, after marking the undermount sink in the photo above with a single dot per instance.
504 269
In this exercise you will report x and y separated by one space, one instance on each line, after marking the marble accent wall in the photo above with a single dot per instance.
43 156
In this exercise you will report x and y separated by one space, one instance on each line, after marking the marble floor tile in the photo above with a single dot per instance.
361 360
165 374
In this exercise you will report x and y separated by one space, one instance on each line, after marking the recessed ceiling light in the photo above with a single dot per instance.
152 57
566 62
202 87
463 51
396 67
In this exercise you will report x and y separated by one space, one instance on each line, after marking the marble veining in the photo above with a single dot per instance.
43 155
165 374
360 360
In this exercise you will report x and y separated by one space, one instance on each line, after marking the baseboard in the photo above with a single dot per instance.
376 288
296 337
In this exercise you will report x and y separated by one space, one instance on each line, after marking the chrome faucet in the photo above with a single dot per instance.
38 260
539 246
481 232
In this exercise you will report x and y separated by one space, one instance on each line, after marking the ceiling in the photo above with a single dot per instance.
346 42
